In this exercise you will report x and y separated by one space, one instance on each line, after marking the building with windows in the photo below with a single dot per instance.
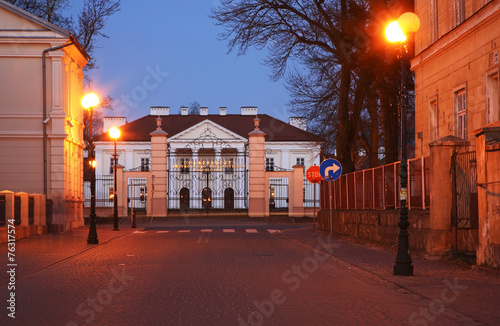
41 118
208 158
456 69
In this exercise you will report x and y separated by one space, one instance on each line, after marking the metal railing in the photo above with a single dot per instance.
378 188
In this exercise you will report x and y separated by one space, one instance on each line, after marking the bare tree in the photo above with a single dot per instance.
194 108
91 23
338 43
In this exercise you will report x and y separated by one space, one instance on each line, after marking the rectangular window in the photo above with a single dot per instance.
269 164
492 97
461 113
459 12
433 11
145 164
229 167
184 165
433 120
300 161
111 164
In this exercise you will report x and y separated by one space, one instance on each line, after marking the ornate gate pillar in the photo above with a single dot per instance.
256 174
488 180
441 192
159 167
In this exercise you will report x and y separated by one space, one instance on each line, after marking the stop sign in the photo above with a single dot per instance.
313 175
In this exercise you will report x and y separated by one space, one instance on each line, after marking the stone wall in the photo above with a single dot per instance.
379 226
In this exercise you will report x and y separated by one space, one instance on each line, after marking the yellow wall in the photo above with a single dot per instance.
461 56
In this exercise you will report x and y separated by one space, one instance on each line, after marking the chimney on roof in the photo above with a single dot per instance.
112 122
299 122
184 110
203 110
222 110
159 110
248 110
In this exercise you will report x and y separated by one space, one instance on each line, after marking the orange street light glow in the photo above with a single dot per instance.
394 33
114 133
90 101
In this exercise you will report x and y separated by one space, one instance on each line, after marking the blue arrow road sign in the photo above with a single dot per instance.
330 169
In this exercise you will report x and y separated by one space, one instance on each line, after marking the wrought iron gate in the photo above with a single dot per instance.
278 196
464 219
137 194
207 176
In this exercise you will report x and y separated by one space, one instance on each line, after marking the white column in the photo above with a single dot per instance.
218 190
195 192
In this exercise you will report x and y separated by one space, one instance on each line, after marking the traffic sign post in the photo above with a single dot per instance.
313 176
330 169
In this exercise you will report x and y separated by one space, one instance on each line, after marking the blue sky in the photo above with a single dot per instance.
166 53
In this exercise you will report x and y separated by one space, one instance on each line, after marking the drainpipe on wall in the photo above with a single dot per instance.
44 100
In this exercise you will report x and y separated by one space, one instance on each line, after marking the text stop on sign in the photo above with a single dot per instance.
313 175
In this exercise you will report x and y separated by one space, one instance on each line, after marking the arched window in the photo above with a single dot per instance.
184 198
206 197
229 198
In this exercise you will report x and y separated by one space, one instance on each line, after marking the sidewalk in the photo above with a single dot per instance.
470 294
42 251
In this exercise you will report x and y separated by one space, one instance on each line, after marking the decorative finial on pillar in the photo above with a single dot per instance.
256 122
158 123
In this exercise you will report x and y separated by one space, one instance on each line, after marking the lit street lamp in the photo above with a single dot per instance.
89 102
395 32
115 134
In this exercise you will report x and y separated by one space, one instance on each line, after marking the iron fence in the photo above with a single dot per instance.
378 188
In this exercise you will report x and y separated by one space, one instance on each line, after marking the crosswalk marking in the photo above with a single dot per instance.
207 231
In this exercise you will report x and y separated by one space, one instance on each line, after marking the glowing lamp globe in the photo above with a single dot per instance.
394 33
114 133
409 22
90 101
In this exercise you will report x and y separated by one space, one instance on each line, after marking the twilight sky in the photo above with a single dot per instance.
166 53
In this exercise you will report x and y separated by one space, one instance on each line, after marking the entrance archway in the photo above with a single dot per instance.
206 197
184 198
229 198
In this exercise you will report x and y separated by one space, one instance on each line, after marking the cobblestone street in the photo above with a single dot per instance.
236 272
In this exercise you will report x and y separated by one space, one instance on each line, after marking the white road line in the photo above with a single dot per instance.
184 231
139 231
228 230
251 231
166 231
273 231
206 230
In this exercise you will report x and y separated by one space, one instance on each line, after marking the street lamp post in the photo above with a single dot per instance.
395 32
115 134
89 102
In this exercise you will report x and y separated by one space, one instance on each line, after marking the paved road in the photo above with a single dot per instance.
222 275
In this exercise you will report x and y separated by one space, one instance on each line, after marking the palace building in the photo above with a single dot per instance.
207 164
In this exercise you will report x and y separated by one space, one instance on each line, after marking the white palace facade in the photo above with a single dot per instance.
207 163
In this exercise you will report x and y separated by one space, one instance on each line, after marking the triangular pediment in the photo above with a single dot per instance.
17 22
206 129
